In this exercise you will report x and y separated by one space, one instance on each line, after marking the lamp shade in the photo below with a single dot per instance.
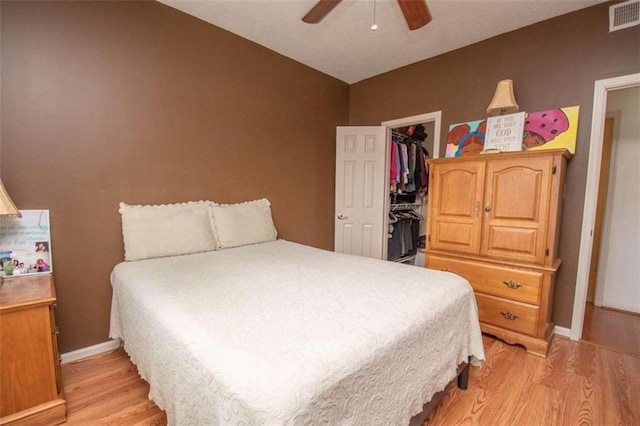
7 208
503 101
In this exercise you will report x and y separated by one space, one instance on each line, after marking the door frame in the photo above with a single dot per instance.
435 116
599 287
601 88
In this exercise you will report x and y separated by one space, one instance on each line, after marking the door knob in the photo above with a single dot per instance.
342 217
487 209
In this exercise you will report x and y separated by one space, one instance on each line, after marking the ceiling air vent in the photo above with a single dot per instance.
624 15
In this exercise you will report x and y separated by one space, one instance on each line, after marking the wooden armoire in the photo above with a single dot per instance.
495 220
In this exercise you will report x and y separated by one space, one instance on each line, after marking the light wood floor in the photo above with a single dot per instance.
107 390
577 383
612 329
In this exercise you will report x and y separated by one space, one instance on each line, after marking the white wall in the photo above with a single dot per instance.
618 281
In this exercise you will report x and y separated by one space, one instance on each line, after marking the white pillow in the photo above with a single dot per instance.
166 230
244 223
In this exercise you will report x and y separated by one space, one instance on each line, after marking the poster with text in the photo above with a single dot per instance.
504 132
25 244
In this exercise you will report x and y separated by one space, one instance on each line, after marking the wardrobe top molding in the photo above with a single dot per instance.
545 152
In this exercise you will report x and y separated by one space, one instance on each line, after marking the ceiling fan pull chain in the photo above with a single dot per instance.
374 26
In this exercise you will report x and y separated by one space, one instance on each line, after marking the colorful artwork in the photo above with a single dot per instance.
466 139
550 129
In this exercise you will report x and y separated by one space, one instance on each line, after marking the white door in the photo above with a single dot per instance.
361 191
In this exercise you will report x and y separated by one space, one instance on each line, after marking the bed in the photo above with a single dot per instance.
281 333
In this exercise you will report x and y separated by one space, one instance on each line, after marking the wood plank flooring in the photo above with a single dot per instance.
107 390
612 329
578 383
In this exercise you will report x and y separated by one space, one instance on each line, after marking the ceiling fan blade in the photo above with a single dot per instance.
319 11
415 12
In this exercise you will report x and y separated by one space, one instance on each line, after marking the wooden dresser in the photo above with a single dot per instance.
31 389
495 220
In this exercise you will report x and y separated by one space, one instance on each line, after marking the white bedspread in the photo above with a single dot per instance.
281 333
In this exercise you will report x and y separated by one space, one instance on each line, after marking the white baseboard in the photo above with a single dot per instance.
90 351
561 331
632 309
115 344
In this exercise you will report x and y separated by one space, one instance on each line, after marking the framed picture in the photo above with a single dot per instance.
25 244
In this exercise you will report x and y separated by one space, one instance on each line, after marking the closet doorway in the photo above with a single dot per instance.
406 218
616 214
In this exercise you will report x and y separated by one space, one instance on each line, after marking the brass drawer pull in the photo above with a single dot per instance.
512 284
447 270
508 315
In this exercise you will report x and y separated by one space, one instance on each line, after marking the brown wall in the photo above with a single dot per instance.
553 64
134 101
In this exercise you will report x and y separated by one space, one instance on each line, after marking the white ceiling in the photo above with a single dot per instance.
343 45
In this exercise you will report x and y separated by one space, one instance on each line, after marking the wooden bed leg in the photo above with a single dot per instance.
463 378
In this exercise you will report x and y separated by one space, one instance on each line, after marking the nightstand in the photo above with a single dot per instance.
31 390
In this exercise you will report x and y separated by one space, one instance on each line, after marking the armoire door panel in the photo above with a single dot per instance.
525 182
458 192
455 234
516 209
514 241
455 219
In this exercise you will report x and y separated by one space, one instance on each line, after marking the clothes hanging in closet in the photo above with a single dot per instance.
408 168
404 229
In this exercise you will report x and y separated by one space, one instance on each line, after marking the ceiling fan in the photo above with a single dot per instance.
415 12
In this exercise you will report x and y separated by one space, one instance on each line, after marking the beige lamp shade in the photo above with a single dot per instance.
7 208
503 101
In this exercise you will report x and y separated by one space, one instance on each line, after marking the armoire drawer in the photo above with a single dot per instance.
514 284
510 315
